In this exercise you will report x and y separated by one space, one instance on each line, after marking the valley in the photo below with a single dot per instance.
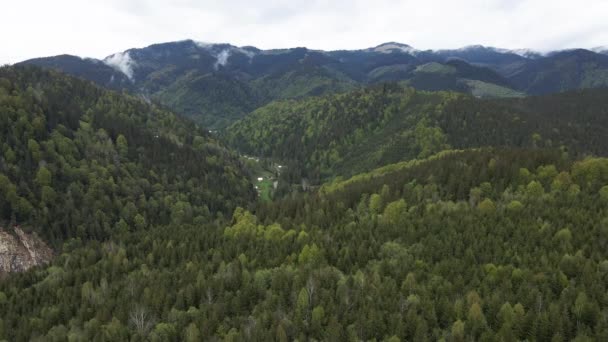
207 192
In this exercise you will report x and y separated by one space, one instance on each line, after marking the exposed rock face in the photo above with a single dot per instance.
20 251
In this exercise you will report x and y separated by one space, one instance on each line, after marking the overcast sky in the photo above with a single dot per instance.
35 28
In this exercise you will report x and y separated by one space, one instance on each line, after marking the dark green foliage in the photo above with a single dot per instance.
409 252
577 121
188 77
214 100
86 68
78 161
562 71
344 134
217 84
158 239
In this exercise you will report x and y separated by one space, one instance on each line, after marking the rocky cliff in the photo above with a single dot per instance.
19 251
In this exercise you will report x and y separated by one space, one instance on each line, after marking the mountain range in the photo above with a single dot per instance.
341 201
216 84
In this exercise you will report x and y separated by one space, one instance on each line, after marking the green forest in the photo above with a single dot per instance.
434 216
82 162
345 134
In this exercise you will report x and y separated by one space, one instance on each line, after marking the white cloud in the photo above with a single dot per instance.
122 62
98 28
222 58
222 54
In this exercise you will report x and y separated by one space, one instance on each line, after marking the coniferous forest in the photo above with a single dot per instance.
429 216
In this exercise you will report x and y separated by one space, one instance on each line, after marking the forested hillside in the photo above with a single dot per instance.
79 161
465 219
563 71
217 84
483 245
344 134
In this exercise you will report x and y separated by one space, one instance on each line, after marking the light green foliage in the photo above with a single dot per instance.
122 146
430 140
344 133
563 237
192 334
318 316
515 206
604 193
434 67
591 172
461 246
394 212
34 149
458 331
181 212
68 172
535 189
375 203
274 233
140 221
43 177
561 182
246 226
485 89
303 304
311 255
487 206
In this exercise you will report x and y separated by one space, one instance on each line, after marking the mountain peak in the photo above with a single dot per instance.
527 53
390 47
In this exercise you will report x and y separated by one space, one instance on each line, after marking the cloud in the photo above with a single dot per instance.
223 54
117 25
222 58
122 62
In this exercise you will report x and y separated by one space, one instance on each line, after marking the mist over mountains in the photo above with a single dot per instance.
189 191
216 84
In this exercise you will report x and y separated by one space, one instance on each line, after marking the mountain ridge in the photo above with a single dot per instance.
237 80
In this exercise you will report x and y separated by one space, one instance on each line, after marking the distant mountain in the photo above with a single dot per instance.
391 47
216 84
473 220
458 75
601 49
563 71
87 68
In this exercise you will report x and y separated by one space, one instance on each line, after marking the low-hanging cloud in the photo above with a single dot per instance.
224 54
222 58
122 62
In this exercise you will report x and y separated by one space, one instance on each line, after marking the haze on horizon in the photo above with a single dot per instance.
97 29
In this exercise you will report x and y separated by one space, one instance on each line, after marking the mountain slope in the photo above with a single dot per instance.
358 131
214 99
500 60
490 244
217 84
87 68
563 71
184 75
79 161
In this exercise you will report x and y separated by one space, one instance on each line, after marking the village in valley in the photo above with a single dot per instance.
265 175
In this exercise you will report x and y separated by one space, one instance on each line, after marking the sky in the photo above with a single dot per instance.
38 28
